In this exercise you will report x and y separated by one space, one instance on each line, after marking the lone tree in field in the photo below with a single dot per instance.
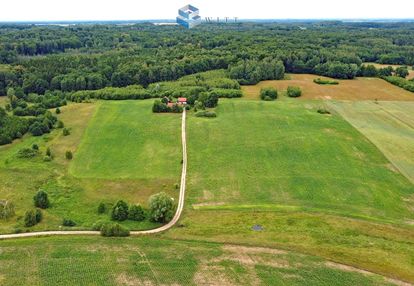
41 200
161 207
120 211
268 93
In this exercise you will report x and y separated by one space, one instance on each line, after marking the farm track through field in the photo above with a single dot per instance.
141 232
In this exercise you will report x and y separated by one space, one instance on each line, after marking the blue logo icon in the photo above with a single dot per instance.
188 16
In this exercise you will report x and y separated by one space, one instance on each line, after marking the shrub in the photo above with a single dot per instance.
57 110
32 217
294 91
325 81
39 128
35 147
401 72
27 153
60 125
205 113
101 208
268 93
68 155
48 152
41 200
120 211
68 222
65 132
6 209
97 226
114 229
161 207
323 110
136 213
47 159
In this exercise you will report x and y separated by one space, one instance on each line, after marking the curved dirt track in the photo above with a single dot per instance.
140 232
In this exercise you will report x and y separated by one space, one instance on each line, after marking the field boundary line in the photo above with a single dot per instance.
165 227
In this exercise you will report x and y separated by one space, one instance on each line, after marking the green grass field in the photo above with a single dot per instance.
149 261
389 125
125 140
262 155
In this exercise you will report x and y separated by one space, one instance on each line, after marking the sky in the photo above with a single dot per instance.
77 10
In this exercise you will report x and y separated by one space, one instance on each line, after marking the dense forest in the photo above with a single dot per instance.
42 66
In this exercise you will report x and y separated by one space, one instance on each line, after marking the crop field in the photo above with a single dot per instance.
357 89
148 261
389 125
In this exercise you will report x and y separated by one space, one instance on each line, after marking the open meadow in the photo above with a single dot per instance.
357 89
120 170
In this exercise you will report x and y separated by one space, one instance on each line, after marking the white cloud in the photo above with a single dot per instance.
23 10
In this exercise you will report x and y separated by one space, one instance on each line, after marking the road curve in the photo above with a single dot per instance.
136 233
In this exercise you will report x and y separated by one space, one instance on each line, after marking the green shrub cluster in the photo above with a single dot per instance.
294 91
161 107
401 82
121 212
205 113
268 93
41 200
161 207
114 229
112 93
11 127
325 81
253 71
32 217
68 222
27 153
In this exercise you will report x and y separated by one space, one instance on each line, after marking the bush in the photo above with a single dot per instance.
294 91
114 229
57 110
161 207
120 211
205 113
101 208
27 153
268 93
97 226
6 209
65 132
60 124
68 222
32 217
401 82
41 200
401 72
323 110
325 81
48 152
68 155
35 147
136 213
39 128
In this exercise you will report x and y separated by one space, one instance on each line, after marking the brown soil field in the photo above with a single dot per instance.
356 89
379 66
